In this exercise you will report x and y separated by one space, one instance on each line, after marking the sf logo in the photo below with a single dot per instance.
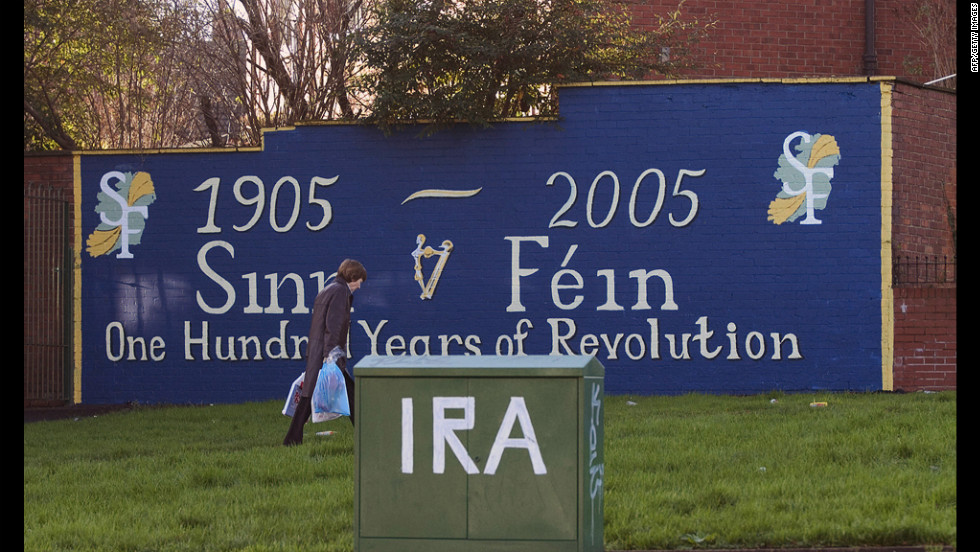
123 211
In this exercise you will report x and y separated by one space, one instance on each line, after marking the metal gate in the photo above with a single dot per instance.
47 296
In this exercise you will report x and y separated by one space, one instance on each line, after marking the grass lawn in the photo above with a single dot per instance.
694 471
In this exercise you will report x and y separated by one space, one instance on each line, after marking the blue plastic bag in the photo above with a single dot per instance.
330 394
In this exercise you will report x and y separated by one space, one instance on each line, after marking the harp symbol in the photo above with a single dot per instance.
429 287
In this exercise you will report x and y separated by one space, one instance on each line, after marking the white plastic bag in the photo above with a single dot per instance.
292 399
329 397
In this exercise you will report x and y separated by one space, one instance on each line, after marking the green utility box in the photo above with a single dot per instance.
463 453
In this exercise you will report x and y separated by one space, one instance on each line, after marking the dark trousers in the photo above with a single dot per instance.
294 435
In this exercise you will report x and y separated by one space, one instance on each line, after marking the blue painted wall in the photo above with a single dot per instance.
635 229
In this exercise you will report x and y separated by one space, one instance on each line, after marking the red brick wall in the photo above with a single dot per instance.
924 224
924 171
806 38
51 169
925 338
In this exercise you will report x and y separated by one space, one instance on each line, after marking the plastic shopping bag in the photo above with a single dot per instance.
292 399
330 394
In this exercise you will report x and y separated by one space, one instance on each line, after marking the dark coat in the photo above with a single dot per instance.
328 329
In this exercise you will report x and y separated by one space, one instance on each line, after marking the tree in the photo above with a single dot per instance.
444 61
168 73
934 23
106 74
286 60
55 51
113 74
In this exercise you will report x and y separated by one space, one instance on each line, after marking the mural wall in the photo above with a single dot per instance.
720 238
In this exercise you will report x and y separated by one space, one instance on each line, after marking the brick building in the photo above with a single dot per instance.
910 39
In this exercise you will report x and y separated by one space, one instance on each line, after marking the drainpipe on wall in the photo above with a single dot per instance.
870 58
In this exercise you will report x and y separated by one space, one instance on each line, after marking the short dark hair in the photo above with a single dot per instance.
352 271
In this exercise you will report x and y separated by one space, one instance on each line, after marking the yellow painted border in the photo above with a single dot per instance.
887 294
76 296
771 80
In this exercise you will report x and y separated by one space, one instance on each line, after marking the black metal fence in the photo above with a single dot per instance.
47 295
923 269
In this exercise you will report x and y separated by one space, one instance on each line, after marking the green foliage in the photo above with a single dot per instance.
105 74
136 74
56 49
444 61
680 472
